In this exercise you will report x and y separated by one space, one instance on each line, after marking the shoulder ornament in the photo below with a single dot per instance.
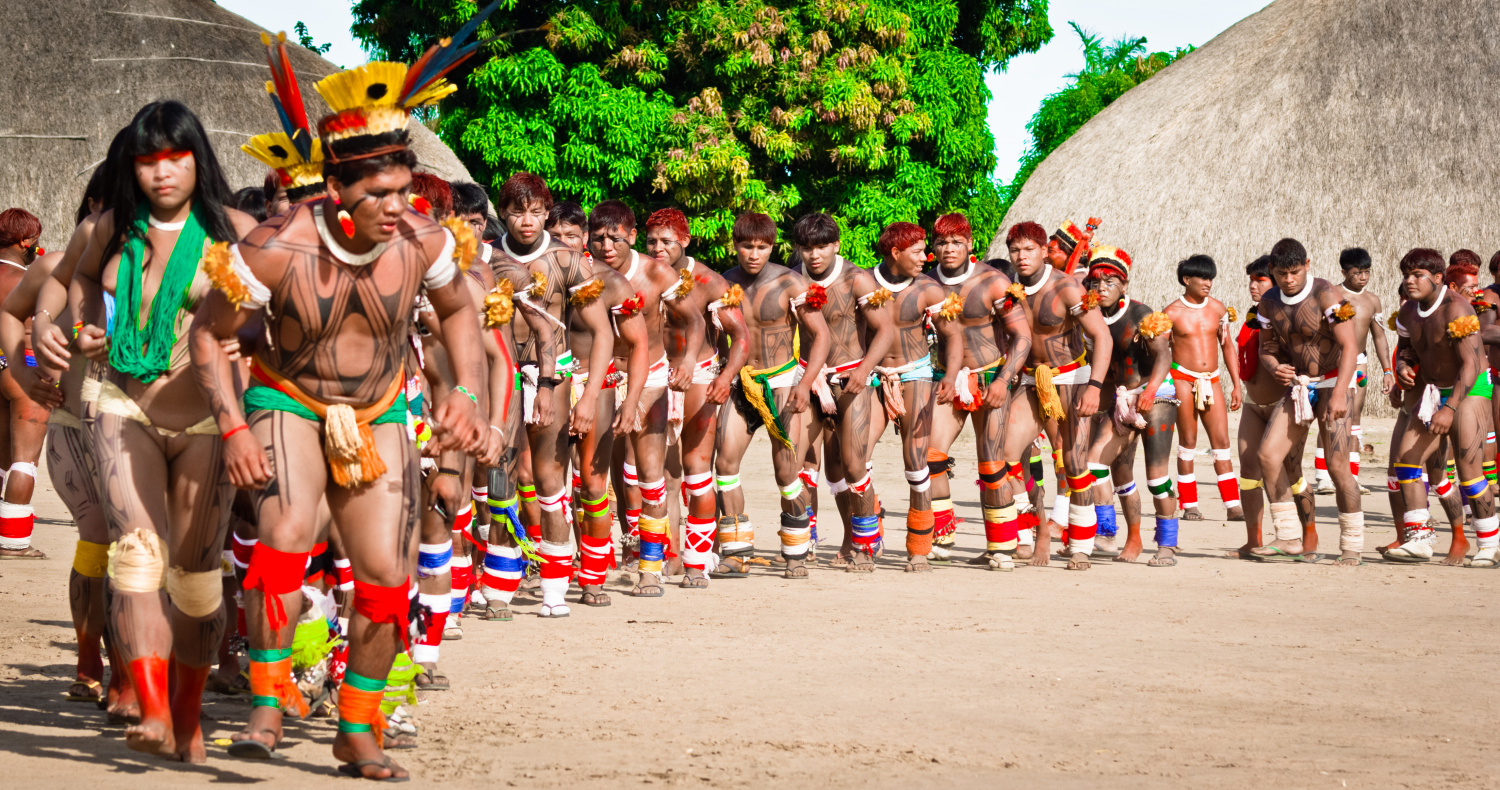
227 271
586 292
1339 313
499 304
949 309
1462 327
1155 325
682 287
466 247
1089 302
875 298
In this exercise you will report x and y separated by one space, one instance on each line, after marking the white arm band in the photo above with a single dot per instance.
259 293
442 270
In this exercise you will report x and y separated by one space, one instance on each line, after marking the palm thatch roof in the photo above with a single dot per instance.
1341 123
78 70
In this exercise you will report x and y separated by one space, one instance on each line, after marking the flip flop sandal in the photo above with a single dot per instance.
642 586
31 553
1163 562
584 599
435 681
739 570
354 770
1311 557
87 685
561 610
251 749
1278 555
693 582
497 614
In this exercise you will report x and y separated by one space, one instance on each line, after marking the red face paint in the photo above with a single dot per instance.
166 153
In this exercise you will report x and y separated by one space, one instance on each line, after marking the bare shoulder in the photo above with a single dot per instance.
1325 292
928 291
243 223
863 281
616 287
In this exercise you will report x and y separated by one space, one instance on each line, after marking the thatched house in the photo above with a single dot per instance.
77 70
1339 122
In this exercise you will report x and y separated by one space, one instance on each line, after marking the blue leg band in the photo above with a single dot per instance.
1166 532
1105 515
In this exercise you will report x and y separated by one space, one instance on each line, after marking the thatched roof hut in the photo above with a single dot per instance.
77 70
1338 122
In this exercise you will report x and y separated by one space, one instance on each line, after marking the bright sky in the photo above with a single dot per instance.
1166 24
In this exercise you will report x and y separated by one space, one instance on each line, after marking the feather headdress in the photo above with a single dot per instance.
379 97
294 152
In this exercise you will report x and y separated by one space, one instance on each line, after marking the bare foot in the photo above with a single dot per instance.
1024 552
795 569
1105 544
917 563
861 562
1191 514
1350 559
152 736
1131 551
594 595
187 707
29 553
1245 552
1078 561
363 759
1235 514
1041 556
1456 551
124 709
1278 548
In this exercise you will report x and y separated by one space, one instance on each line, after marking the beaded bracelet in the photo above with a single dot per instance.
465 390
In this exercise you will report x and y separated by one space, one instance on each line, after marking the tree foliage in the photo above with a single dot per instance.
1108 71
871 110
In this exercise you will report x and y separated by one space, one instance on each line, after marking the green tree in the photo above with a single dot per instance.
306 40
1108 71
871 110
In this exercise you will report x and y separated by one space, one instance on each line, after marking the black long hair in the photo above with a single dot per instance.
102 182
158 126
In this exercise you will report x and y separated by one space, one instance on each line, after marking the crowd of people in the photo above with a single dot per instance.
328 418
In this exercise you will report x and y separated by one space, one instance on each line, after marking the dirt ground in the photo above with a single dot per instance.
1216 673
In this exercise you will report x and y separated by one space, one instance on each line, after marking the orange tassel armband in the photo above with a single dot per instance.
1460 328
1155 325
465 246
732 296
499 304
951 308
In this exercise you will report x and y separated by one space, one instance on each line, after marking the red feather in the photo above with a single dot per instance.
817 297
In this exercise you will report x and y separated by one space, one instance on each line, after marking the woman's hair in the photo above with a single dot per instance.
17 224
102 181
252 201
160 126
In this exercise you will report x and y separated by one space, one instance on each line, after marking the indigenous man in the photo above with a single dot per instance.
1262 392
335 281
1307 343
784 310
700 290
860 333
906 389
1137 401
558 272
996 342
1200 331
1439 354
1355 263
1068 248
1065 383
23 427
612 235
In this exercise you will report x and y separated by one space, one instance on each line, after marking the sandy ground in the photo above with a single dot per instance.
1216 673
